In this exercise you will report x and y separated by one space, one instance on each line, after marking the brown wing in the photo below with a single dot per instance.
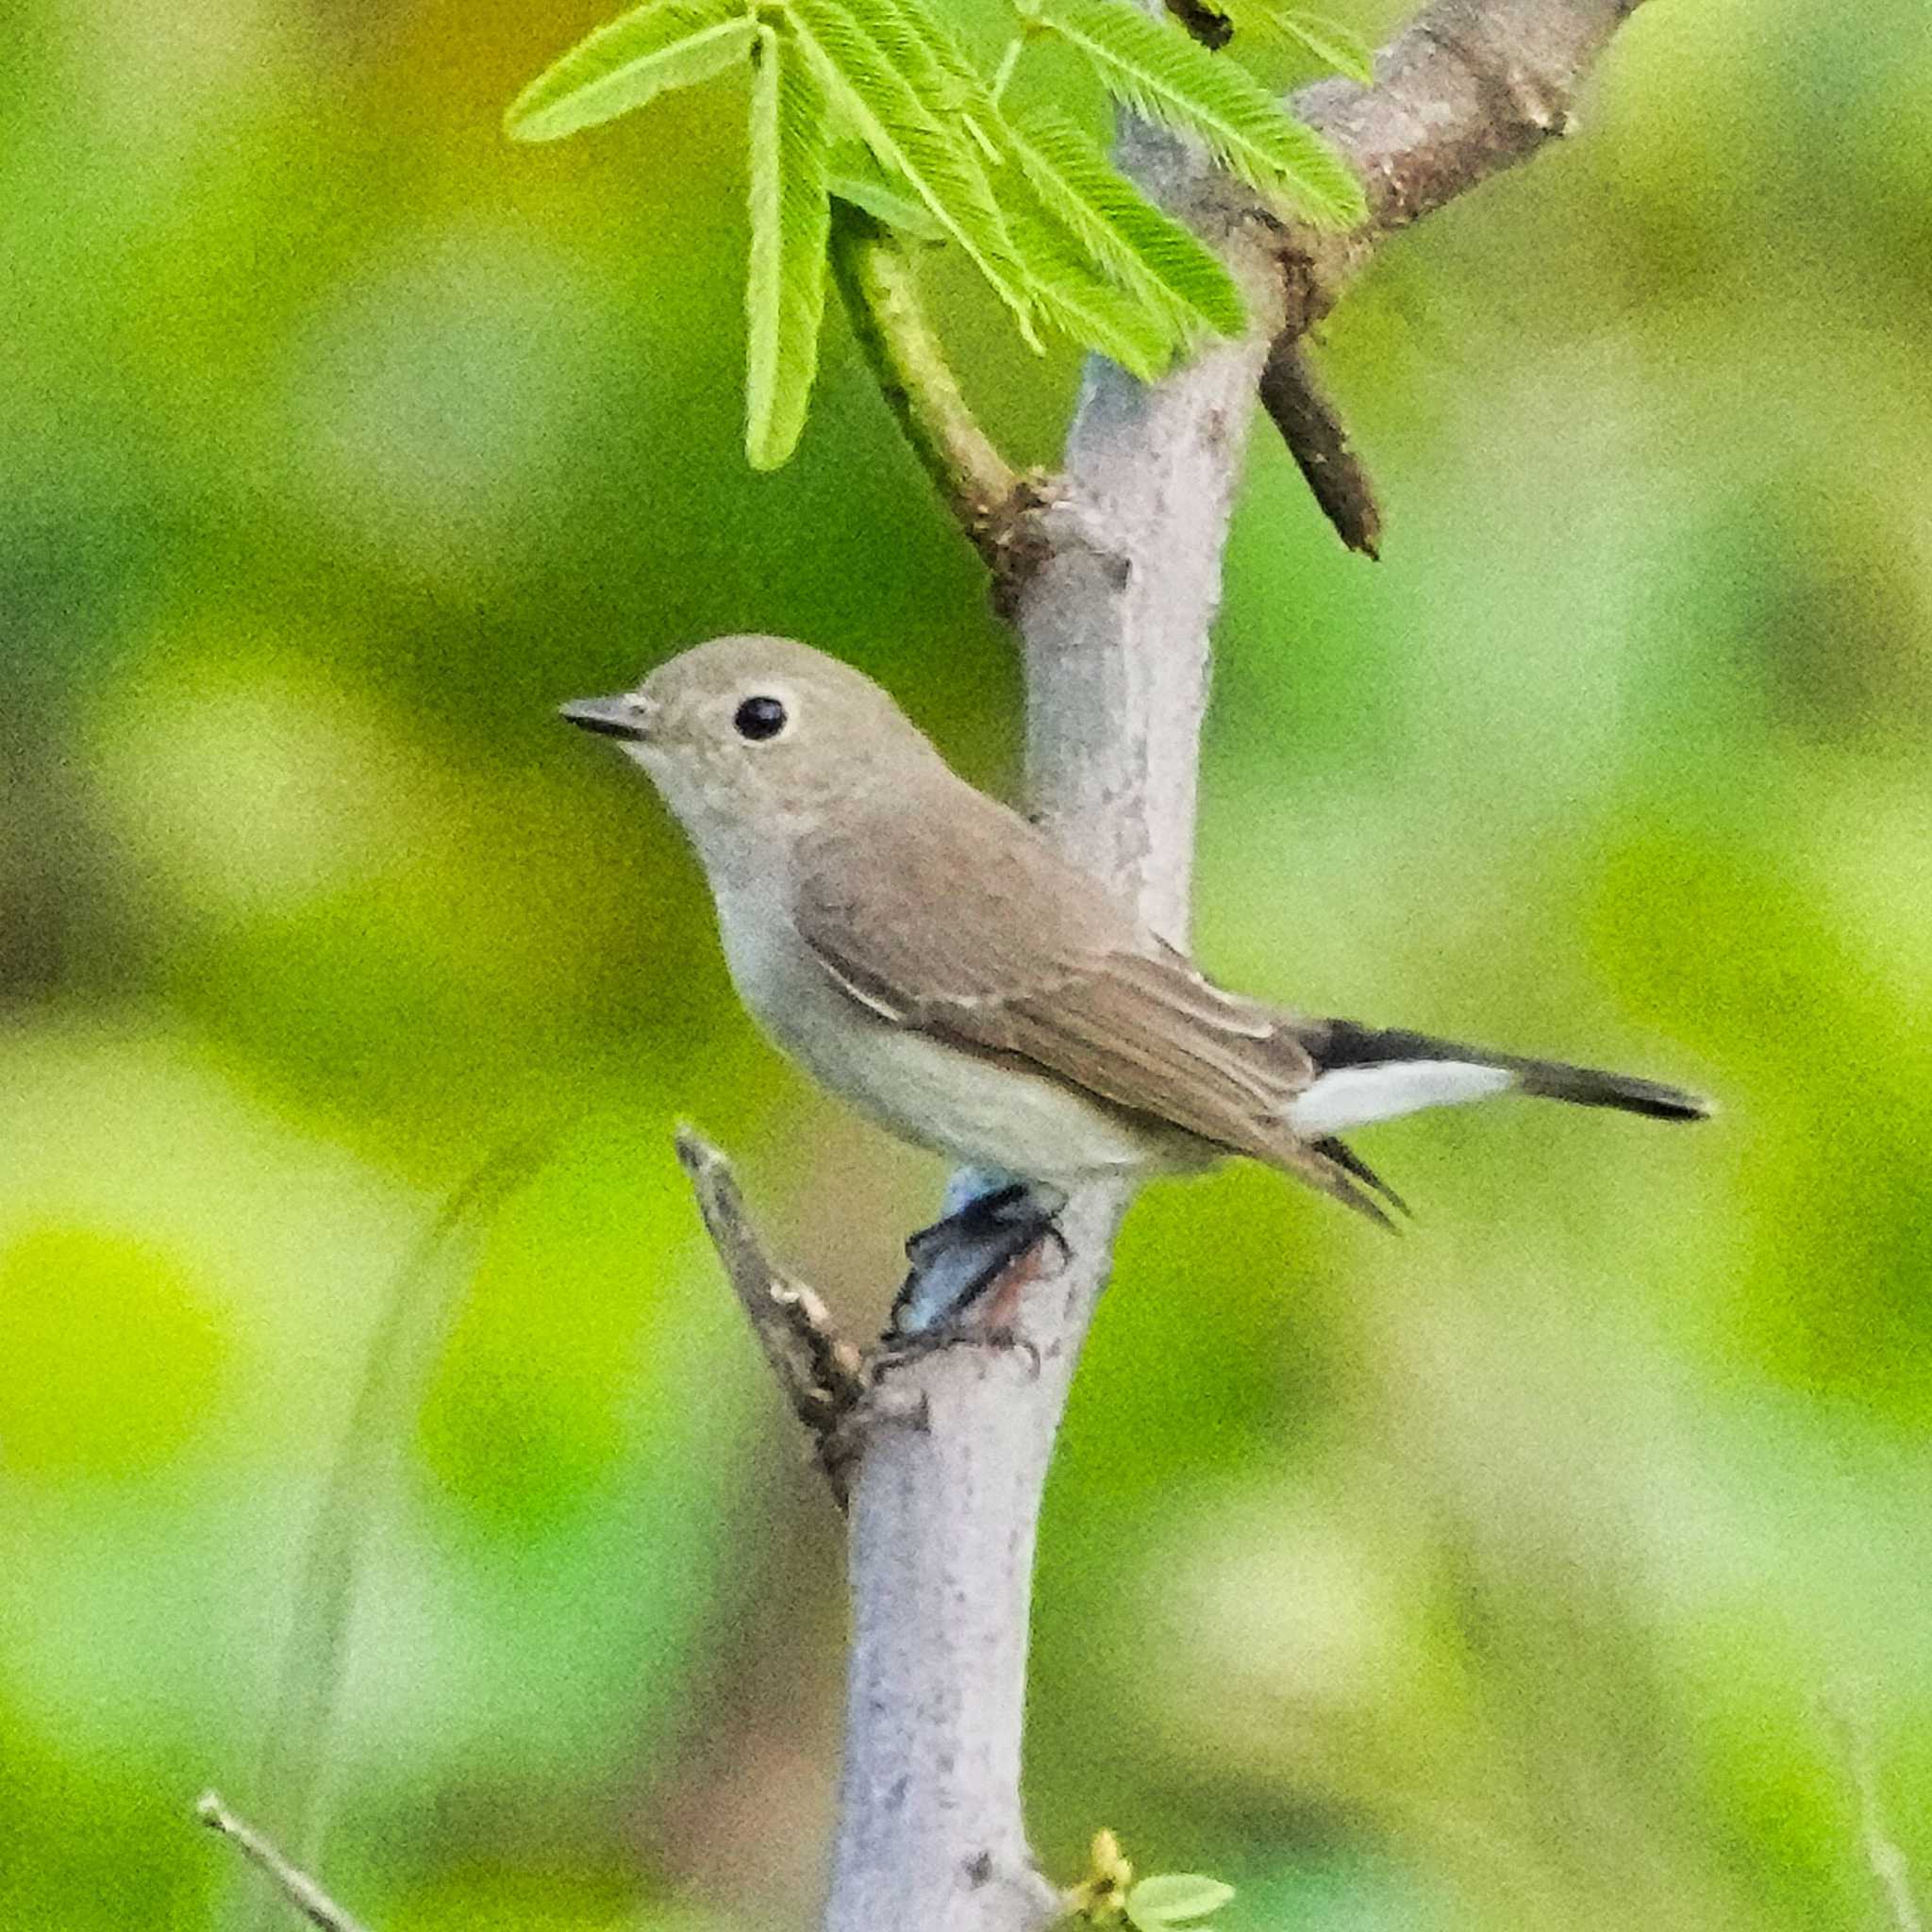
1030 956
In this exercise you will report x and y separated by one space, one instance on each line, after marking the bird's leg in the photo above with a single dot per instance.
992 1221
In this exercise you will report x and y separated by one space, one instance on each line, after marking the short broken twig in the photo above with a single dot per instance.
301 1890
822 1373
1318 441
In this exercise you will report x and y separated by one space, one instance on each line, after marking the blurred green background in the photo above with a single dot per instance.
1506 1575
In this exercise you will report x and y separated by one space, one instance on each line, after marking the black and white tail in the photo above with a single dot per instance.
1367 1074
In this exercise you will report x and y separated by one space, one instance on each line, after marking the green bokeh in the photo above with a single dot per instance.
1522 1573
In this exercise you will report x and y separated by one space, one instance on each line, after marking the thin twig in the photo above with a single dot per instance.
821 1373
1316 438
301 1890
879 284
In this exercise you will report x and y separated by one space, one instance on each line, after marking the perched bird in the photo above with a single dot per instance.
926 953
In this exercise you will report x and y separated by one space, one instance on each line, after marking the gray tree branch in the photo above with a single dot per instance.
1466 89
1114 620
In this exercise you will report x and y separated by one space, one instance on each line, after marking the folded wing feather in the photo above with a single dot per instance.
1033 958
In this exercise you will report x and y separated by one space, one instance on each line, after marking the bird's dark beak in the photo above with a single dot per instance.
620 717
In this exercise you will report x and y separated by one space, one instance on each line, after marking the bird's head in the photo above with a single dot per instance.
756 741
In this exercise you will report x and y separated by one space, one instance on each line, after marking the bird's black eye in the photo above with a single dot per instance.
758 719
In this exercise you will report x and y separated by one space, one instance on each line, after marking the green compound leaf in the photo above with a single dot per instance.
666 45
1151 255
1329 42
920 46
791 224
1175 1898
856 176
1154 68
941 164
1061 236
1080 302
1069 289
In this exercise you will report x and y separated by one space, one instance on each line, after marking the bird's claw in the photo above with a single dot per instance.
957 1259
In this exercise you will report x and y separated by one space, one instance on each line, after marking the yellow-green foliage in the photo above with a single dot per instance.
1059 237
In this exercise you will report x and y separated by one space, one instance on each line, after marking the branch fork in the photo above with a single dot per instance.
838 1391
1469 87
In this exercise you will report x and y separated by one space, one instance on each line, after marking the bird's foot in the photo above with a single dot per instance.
975 1248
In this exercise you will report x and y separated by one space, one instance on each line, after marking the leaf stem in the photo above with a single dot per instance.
880 289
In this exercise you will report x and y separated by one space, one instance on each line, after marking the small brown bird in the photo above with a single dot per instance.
928 955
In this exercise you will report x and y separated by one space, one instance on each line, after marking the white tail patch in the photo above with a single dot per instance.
1359 1096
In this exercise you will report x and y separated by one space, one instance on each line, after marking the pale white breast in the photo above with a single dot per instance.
970 1108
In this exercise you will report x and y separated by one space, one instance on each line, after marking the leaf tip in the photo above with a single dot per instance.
521 120
770 444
